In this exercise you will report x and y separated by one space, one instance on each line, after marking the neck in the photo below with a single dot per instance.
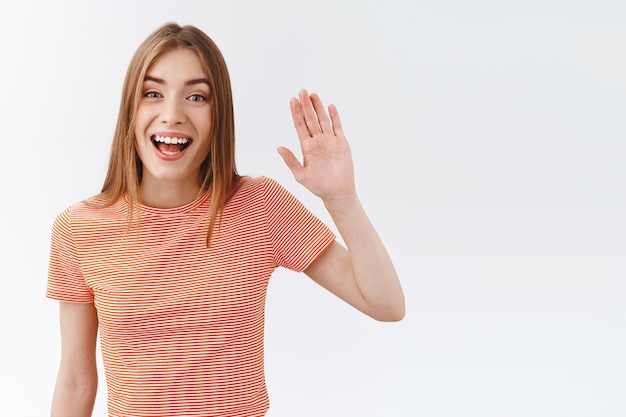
167 194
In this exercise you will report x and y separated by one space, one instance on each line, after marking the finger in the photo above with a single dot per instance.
298 119
309 112
334 117
322 117
291 161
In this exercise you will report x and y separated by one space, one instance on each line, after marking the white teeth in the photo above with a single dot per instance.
173 141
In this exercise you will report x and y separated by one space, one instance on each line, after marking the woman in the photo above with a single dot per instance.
171 261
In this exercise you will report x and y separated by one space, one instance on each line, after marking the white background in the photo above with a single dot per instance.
489 143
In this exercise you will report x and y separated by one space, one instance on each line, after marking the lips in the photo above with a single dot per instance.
169 144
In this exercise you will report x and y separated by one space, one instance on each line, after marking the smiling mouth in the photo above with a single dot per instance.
170 145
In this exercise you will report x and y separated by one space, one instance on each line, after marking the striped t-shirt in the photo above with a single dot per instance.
181 325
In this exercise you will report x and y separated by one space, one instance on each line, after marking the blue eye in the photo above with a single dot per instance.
196 97
152 94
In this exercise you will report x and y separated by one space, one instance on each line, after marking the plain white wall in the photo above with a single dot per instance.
489 143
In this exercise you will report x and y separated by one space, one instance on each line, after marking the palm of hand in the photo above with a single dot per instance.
327 169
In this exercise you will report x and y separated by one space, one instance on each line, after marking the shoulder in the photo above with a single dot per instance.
91 209
259 182
259 186
260 194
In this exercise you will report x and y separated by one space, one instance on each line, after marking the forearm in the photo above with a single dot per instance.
364 276
74 396
372 269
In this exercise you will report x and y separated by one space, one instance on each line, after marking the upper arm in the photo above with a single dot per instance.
79 330
77 381
333 271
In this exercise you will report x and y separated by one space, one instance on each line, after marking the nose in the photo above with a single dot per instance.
172 112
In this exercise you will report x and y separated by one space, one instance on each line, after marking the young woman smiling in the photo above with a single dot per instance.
170 262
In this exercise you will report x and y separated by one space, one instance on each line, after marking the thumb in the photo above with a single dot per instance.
290 160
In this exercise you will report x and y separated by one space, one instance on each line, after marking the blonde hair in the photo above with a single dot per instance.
218 171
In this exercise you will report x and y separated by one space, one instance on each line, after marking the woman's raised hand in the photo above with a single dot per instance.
326 168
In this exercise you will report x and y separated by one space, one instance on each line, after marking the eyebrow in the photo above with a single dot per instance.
187 83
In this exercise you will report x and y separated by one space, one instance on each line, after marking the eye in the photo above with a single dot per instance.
152 94
196 97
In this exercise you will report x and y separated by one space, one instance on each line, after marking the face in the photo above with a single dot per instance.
173 121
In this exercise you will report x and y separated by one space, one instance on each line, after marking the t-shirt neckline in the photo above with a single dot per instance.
184 209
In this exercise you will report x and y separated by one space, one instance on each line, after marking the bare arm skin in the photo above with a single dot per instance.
77 381
363 275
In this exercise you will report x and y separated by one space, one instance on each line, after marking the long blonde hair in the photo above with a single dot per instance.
218 171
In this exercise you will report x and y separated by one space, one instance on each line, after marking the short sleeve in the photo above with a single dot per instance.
298 236
65 277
